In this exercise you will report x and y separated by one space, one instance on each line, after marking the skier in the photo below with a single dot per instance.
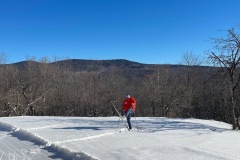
129 107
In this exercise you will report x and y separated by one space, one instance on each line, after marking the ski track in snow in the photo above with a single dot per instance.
12 148
40 142
55 146
89 138
43 143
86 138
43 127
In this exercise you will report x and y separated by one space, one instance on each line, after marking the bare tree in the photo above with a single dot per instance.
3 58
190 79
190 59
163 91
9 87
114 86
226 55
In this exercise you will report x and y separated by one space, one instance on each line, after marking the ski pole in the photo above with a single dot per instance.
121 117
138 127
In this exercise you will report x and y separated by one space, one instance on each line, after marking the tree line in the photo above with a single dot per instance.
188 90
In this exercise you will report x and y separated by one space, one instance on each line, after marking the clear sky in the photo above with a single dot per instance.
146 31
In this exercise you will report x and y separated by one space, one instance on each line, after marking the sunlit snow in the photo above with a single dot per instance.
105 138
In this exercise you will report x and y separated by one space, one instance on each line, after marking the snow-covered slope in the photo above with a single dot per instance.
106 138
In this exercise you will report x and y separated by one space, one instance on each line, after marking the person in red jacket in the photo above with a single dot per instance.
129 107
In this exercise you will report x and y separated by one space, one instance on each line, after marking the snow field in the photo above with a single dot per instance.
103 138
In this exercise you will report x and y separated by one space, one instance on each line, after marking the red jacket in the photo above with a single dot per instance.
129 103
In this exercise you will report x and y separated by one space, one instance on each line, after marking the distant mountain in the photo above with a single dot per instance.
97 65
129 68
86 65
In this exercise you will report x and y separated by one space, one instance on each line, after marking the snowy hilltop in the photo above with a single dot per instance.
106 138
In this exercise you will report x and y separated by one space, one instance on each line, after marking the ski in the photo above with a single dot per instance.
120 116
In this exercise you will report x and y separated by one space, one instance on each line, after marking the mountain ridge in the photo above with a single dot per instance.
85 65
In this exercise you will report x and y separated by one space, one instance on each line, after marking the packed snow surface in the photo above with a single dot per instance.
106 138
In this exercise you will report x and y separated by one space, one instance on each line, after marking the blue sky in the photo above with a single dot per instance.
146 31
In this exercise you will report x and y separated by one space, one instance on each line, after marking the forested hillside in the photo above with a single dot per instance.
86 87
